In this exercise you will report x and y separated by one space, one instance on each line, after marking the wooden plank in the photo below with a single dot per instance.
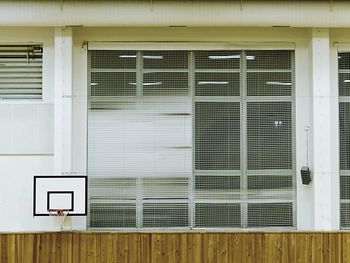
258 247
304 247
235 248
182 246
66 247
335 247
210 248
26 248
346 247
223 248
145 248
195 248
134 245
176 247
247 248
326 253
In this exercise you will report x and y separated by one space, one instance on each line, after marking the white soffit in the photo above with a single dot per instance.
175 13
106 45
342 46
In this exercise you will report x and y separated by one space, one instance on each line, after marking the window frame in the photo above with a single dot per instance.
192 47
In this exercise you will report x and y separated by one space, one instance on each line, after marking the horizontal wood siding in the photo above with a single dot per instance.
175 247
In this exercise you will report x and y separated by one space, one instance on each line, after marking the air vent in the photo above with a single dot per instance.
21 72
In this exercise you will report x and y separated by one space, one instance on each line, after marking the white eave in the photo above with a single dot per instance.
176 13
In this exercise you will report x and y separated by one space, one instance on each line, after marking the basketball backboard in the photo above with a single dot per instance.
68 193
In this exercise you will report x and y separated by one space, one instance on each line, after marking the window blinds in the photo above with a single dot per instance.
191 139
21 71
344 133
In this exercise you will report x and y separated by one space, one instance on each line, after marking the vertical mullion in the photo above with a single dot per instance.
243 132
87 131
191 81
139 74
294 175
139 181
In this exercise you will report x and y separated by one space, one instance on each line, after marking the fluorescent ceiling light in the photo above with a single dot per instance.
347 81
93 84
212 82
279 83
147 57
278 123
127 56
153 57
224 57
230 57
148 83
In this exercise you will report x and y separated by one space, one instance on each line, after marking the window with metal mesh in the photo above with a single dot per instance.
21 72
191 139
344 140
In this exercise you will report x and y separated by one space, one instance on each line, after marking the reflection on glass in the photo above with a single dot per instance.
224 57
212 82
278 83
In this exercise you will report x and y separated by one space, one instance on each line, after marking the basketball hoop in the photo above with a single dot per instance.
59 213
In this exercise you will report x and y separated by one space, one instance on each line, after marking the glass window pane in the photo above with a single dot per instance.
345 215
344 130
165 84
269 59
165 59
344 84
344 60
275 182
112 215
269 84
218 215
345 187
217 187
270 215
115 59
165 215
113 84
217 59
269 135
217 84
217 136
207 182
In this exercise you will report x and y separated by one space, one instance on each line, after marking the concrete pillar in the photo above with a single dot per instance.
321 130
63 101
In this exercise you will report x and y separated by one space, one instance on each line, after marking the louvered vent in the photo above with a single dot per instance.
199 139
21 72
344 133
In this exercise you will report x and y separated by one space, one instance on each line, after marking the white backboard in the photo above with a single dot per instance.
60 192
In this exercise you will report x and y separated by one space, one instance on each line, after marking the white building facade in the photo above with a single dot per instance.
185 115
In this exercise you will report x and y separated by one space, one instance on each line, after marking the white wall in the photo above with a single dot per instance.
26 139
31 153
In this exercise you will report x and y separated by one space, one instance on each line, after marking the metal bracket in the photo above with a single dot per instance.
84 46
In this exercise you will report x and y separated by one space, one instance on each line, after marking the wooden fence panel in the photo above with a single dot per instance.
177 247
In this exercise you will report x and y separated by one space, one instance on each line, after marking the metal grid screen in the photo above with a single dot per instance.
344 132
20 72
191 139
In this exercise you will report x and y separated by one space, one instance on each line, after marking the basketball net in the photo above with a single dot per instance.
61 214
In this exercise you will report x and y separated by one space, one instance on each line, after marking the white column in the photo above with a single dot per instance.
321 130
63 100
